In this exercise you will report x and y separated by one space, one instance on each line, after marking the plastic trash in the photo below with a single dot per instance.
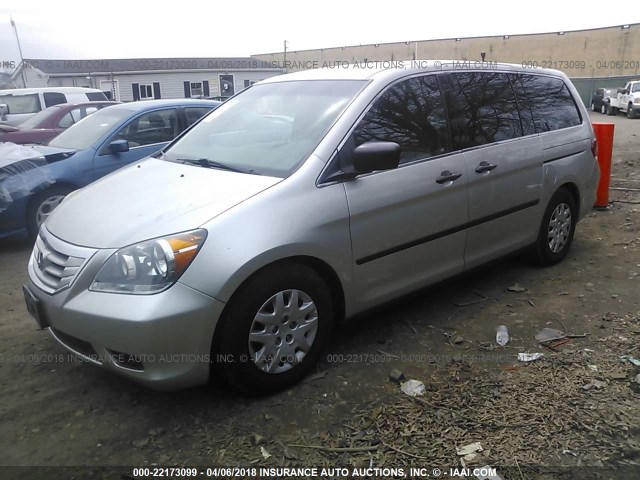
413 388
549 335
502 335
529 357
630 359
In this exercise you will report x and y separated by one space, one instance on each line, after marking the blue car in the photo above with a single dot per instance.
35 179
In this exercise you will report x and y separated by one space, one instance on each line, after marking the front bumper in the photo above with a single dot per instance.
161 340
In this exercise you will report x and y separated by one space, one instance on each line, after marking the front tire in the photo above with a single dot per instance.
557 229
42 205
273 329
593 107
603 108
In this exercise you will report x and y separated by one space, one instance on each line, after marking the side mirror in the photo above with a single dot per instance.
622 91
119 146
372 156
4 110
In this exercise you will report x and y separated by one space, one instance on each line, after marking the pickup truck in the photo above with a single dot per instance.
627 100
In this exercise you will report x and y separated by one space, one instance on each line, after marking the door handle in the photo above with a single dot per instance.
447 176
485 167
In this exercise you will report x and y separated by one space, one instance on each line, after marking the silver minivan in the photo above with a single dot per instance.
304 200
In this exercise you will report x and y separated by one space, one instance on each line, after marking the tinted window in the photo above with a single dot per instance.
482 108
548 100
410 113
195 114
154 127
96 96
54 98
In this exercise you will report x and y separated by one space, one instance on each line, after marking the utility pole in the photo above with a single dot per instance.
23 65
285 56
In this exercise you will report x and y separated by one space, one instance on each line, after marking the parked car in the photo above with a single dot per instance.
306 199
601 98
18 104
627 100
34 180
48 123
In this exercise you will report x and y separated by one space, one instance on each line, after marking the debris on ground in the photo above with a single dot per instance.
264 452
549 334
502 335
597 384
396 376
413 388
516 288
469 452
467 300
630 359
530 357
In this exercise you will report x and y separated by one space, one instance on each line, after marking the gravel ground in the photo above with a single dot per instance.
572 414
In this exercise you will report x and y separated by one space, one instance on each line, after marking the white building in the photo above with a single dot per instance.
147 78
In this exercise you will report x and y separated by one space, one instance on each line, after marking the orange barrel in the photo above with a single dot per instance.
604 138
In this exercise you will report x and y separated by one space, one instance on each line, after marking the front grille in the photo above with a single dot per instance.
56 263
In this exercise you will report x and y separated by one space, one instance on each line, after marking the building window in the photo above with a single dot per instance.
196 89
146 91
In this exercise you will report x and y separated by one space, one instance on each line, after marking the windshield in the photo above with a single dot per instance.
610 92
38 118
635 87
268 129
21 103
89 130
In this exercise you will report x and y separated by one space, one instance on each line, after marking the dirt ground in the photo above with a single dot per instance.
572 414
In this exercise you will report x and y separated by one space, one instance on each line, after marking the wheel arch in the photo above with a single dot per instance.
322 268
573 189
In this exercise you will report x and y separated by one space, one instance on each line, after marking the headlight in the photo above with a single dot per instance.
637 100
150 266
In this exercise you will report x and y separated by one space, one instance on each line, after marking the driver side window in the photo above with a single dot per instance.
153 127
410 113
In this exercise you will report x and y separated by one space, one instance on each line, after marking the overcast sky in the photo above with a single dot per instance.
63 29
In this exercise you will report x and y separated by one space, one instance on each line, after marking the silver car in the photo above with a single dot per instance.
302 201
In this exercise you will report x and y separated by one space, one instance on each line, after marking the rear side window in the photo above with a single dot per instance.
410 113
54 98
96 96
482 108
548 101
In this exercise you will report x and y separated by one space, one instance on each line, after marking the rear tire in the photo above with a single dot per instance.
603 108
556 230
631 113
611 110
41 206
593 107
273 329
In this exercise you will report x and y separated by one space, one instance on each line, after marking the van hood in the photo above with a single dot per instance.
150 199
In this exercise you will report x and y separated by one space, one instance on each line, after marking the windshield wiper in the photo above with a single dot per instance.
205 162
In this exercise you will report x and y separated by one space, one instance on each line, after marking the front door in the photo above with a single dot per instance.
407 224
147 133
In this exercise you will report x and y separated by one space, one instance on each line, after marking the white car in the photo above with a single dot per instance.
18 104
